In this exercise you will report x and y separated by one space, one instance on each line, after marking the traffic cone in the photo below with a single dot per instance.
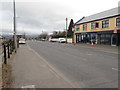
92 44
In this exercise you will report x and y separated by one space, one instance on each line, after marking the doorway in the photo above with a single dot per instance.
114 40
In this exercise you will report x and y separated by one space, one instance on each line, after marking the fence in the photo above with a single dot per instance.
8 48
1 54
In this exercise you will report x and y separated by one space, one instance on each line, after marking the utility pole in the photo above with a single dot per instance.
42 34
15 38
66 30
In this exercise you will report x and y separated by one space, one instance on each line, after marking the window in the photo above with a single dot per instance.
118 22
94 25
105 24
77 28
97 25
84 27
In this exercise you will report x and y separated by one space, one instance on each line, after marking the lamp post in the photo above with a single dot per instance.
66 30
15 38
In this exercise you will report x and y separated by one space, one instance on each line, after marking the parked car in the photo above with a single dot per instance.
62 40
54 40
43 40
22 41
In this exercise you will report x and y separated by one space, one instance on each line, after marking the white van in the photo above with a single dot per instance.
22 41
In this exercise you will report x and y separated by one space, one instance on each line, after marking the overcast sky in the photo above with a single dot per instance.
35 16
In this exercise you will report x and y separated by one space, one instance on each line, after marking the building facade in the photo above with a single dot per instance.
101 28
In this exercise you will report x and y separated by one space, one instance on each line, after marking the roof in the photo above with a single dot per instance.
101 15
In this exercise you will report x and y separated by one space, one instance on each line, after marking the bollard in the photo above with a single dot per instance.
10 47
13 45
18 43
8 51
5 58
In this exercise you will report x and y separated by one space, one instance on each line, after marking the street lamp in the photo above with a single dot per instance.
15 38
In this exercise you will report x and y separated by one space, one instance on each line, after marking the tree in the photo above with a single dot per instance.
70 32
58 34
55 33
43 35
62 33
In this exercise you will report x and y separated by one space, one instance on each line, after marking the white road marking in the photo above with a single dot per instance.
109 52
84 59
115 69
28 86
89 54
54 73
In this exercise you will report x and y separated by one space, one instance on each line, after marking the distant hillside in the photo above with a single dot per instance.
10 36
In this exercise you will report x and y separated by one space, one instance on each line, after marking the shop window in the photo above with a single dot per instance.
105 24
94 25
118 22
84 27
97 25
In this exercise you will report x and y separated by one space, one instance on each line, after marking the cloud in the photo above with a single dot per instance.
38 15
43 14
48 15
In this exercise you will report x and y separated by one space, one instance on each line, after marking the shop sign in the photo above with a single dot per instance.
115 31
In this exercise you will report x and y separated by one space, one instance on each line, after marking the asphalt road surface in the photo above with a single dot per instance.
83 67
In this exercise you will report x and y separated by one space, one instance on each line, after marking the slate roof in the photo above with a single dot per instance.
101 15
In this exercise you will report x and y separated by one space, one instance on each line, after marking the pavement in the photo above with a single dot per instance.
31 71
83 66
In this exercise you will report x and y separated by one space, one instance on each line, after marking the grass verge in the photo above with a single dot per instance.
6 75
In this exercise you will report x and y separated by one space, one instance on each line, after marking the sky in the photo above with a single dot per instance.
37 16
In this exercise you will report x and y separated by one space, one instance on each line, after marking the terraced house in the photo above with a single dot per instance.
100 28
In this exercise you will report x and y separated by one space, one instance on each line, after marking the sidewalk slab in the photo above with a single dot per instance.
30 70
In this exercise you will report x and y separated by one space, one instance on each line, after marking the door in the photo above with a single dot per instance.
94 38
113 39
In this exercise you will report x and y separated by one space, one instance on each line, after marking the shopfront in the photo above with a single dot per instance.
101 37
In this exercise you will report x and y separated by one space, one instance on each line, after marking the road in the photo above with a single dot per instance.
83 67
